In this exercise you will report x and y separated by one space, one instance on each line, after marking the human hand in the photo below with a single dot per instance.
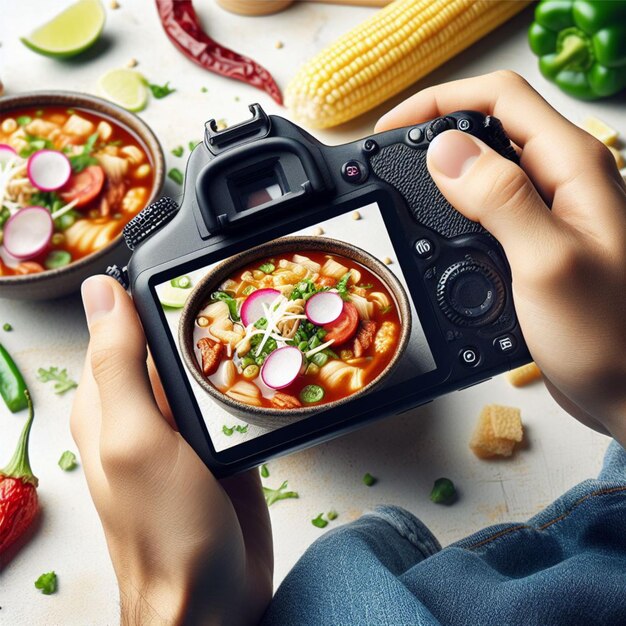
568 263
185 547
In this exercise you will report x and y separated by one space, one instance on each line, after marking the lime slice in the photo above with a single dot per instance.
70 32
124 87
173 297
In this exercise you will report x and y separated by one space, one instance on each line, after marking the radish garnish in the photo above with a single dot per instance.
252 308
282 367
324 307
49 170
27 233
6 154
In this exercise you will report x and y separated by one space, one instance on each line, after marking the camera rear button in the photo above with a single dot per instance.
505 343
470 357
424 248
354 172
415 135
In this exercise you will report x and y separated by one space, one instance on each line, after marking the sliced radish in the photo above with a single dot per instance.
252 308
49 169
282 367
27 233
6 153
324 307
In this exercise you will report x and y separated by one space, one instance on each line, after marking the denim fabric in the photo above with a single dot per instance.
566 565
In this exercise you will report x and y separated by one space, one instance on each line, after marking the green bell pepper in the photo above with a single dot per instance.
581 45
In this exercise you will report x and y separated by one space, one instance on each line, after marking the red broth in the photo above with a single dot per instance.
337 381
113 187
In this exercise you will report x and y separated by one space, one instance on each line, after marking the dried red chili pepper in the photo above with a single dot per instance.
18 489
182 26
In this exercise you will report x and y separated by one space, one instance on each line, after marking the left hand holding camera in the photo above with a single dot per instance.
183 545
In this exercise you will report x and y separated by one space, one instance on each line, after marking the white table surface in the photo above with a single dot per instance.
406 453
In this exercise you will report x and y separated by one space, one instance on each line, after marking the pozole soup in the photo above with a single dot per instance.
297 330
70 180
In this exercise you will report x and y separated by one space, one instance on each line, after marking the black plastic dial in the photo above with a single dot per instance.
471 293
147 221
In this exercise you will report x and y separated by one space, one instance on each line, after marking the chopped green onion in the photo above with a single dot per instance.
311 394
47 583
57 258
182 282
7 327
274 495
248 290
203 89
176 175
265 473
386 309
67 462
443 491
369 480
320 359
367 286
178 151
267 268
22 120
332 515
319 521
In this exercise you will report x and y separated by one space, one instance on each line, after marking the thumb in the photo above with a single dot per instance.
118 360
487 188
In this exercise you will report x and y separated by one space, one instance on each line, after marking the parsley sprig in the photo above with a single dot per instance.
62 382
80 161
274 495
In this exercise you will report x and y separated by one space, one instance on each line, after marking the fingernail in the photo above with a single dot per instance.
98 297
452 153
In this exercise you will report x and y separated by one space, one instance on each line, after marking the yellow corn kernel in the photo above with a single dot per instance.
387 53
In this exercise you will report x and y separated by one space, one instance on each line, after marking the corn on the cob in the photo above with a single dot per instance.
388 52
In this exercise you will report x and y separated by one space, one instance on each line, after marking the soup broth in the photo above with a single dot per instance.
345 338
110 182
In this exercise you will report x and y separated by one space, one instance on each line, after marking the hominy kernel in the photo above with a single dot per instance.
318 230
356 216
387 261
132 63
142 171
279 44
202 321
9 125
114 4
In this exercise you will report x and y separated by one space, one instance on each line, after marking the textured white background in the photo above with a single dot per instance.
406 453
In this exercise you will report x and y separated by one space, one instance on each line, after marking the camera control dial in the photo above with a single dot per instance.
470 293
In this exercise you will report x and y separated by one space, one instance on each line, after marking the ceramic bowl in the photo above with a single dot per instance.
65 280
199 298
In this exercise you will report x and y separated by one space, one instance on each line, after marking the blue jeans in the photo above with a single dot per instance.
566 565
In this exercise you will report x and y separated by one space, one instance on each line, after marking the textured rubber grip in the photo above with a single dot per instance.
147 221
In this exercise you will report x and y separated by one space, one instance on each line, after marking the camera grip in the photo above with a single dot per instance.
404 168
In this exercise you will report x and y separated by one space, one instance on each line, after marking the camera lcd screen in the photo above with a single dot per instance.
341 368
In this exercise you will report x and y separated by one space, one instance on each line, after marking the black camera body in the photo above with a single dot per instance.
265 178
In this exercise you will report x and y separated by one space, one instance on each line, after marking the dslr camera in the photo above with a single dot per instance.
302 290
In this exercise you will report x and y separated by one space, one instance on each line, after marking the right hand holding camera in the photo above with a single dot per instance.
561 219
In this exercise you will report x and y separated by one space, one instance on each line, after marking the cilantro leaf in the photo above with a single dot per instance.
342 286
265 473
274 495
369 480
62 382
319 521
67 462
161 91
178 151
80 161
47 583
228 431
176 175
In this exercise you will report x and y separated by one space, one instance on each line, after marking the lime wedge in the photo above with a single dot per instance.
173 297
70 32
124 87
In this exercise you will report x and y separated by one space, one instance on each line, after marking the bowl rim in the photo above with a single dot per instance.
198 296
121 116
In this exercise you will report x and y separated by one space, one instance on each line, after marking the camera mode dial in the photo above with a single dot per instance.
149 220
470 293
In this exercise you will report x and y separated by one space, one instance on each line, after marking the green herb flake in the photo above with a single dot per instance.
230 301
47 583
365 286
38 112
386 309
274 495
369 480
228 431
267 268
62 382
342 286
319 521
6 327
67 462
203 89
161 91
241 429
178 151
176 175
332 515
80 161
443 491
265 473
237 98
22 120
193 144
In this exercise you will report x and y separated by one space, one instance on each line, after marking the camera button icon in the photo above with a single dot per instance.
464 124
505 343
354 172
424 248
469 356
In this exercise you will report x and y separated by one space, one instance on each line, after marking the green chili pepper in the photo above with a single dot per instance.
581 45
12 385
